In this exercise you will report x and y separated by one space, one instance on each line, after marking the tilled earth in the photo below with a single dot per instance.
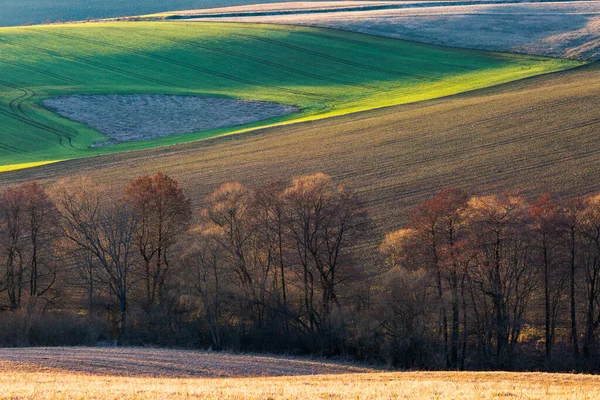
557 29
166 363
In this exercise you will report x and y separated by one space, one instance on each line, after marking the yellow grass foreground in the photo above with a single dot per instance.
19 381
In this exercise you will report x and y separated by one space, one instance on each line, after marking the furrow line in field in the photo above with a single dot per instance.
483 121
328 57
43 72
16 106
189 66
505 142
541 134
12 148
542 107
28 121
25 95
35 124
254 59
364 44
92 63
502 143
489 171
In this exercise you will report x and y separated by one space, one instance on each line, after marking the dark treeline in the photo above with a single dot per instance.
488 282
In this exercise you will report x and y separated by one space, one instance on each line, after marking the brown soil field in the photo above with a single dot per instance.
38 378
557 29
536 135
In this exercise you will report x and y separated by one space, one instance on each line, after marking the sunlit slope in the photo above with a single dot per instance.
325 72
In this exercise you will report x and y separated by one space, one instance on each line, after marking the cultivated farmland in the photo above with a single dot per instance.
252 102
558 29
535 135
322 72
98 374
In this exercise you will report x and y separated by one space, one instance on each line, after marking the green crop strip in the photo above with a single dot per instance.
324 72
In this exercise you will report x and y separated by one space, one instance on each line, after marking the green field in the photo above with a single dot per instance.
325 72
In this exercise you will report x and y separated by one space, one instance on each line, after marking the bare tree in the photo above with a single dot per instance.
435 242
13 232
271 229
590 231
545 224
571 229
203 272
106 230
503 271
163 214
28 235
324 219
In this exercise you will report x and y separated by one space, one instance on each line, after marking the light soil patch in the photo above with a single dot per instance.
557 29
132 118
281 7
168 363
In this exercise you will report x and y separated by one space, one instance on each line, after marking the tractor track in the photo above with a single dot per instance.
87 62
328 57
17 112
503 116
60 135
334 38
187 65
43 72
254 59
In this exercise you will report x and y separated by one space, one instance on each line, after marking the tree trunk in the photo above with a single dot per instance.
548 318
574 337
455 323
123 327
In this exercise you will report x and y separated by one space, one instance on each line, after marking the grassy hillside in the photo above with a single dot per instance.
146 373
535 135
324 72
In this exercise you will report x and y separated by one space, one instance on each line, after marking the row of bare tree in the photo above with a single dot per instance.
254 260
273 259
471 282
498 270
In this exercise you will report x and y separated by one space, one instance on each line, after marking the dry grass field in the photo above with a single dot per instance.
535 135
89 373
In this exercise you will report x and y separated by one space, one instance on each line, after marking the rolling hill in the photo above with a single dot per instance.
536 135
40 11
323 72
566 29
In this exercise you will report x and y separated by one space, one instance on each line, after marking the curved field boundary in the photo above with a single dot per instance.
326 10
329 73
538 135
